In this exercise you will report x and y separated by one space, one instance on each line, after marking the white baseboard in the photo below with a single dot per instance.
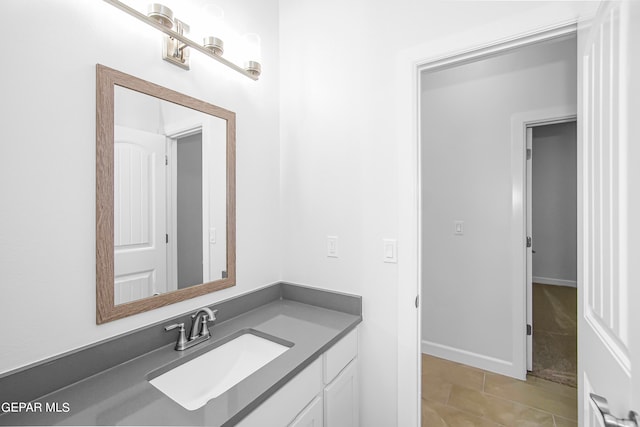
469 358
557 282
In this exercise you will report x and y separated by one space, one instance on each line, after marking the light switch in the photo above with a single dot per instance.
390 248
332 246
212 236
458 228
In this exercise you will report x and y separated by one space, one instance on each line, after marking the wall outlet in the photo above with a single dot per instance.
332 246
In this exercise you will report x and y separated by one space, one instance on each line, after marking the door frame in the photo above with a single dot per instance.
520 253
411 63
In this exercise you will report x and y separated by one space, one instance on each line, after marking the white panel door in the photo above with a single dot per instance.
608 162
139 214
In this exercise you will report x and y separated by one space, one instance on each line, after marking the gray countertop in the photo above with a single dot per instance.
122 395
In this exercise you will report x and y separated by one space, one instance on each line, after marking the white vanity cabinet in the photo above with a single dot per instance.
325 393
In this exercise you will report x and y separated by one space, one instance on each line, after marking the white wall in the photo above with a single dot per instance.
554 204
47 162
136 110
466 164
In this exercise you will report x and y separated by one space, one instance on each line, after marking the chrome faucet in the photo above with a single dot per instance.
199 323
199 329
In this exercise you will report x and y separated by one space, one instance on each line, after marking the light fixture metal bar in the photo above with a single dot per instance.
144 18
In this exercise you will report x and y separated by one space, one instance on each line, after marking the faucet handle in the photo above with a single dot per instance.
182 338
175 325
208 316
212 317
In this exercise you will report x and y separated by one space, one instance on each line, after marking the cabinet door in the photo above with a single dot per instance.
283 406
311 416
341 399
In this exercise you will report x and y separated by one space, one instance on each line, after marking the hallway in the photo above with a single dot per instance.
455 395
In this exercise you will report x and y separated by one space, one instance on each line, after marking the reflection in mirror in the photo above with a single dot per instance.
169 196
165 196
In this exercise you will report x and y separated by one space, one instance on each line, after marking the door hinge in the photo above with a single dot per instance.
417 301
166 238
528 241
529 330
528 153
166 160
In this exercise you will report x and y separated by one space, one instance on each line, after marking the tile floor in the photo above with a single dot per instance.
455 395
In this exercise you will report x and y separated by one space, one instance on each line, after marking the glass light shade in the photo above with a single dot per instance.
252 48
208 24
212 12
252 54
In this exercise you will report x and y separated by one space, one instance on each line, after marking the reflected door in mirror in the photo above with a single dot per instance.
139 214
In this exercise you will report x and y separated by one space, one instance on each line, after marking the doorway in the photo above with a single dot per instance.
473 239
607 200
188 210
552 252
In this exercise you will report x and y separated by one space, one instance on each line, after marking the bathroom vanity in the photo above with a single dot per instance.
313 381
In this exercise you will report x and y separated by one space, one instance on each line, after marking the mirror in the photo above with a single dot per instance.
165 213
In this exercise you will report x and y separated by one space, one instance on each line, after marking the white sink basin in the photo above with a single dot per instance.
199 380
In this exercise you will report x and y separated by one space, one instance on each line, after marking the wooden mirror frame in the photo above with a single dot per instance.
106 310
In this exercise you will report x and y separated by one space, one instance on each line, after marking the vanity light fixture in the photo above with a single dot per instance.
176 46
